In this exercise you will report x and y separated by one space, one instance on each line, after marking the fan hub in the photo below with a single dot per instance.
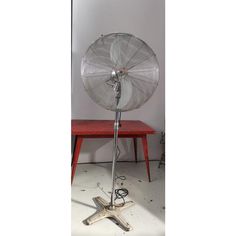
118 74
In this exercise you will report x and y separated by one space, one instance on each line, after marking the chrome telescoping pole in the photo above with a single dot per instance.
117 89
115 149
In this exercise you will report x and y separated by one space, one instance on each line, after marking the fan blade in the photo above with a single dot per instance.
118 50
115 52
126 93
93 82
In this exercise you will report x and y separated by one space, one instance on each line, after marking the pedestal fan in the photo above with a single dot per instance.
120 72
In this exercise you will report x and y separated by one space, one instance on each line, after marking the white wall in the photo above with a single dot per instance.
142 18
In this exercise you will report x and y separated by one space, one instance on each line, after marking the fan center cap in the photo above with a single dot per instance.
120 73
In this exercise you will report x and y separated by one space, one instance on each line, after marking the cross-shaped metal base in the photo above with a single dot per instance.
107 211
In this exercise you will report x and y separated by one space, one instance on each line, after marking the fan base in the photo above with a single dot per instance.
105 210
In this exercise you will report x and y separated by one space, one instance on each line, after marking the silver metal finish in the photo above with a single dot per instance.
105 211
120 72
115 144
123 57
112 210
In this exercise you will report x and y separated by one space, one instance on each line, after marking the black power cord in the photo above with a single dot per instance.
121 193
121 177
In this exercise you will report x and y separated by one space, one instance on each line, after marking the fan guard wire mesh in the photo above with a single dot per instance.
120 52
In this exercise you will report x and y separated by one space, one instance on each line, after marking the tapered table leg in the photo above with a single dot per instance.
135 148
75 157
145 151
73 153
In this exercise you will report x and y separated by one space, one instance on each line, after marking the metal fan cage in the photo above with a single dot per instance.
123 58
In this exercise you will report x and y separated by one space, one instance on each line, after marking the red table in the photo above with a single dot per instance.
104 129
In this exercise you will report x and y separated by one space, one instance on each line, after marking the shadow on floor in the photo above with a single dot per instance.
82 203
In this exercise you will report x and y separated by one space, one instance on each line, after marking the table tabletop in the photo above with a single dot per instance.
105 127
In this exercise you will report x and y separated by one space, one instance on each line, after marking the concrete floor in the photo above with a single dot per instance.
147 216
